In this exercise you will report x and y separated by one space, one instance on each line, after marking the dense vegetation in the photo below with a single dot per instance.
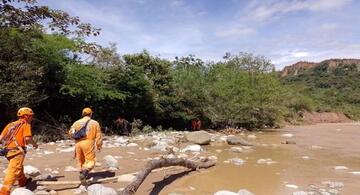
327 88
58 73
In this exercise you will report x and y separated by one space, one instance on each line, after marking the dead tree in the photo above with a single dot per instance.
165 162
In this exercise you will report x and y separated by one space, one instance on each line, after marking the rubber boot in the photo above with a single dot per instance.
83 176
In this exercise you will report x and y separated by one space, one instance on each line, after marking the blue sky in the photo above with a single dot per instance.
285 31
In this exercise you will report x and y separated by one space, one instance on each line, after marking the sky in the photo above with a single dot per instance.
285 31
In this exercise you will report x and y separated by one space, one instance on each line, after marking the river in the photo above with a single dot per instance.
322 153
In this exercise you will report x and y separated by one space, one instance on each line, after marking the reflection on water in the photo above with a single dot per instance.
299 166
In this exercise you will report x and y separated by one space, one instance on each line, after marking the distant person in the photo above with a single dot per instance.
87 135
15 136
123 126
196 124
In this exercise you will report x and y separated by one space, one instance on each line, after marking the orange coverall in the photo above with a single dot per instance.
85 147
15 156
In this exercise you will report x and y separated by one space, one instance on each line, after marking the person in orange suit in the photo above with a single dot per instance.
196 124
15 136
85 146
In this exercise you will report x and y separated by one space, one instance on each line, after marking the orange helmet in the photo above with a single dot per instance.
86 111
25 111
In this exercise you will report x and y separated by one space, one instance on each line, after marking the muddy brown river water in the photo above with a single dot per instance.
305 165
323 152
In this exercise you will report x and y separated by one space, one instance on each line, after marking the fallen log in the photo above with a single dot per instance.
165 162
140 176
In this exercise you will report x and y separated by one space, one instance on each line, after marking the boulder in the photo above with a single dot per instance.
22 191
235 140
98 189
31 171
111 161
198 137
192 148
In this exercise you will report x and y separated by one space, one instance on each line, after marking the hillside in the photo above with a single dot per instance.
331 85
330 64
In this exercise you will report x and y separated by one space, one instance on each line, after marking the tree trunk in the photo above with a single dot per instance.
166 162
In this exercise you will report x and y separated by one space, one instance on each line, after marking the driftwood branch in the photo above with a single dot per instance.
108 179
166 162
140 177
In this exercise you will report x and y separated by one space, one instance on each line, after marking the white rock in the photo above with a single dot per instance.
316 147
333 191
251 136
31 171
192 188
292 186
214 158
245 192
98 189
160 145
267 161
218 151
111 161
237 161
71 149
22 191
132 145
236 149
341 168
46 152
223 138
70 169
126 178
305 157
42 192
224 192
355 172
122 140
170 156
288 135
192 148
79 190
333 184
182 156
300 193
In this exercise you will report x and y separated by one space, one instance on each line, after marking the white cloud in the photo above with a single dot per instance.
235 32
299 54
265 10
177 3
320 5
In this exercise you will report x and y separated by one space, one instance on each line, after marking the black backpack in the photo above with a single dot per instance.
82 132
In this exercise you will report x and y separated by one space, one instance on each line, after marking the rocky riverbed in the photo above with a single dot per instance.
302 160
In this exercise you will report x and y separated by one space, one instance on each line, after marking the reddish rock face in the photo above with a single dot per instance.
302 65
295 68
